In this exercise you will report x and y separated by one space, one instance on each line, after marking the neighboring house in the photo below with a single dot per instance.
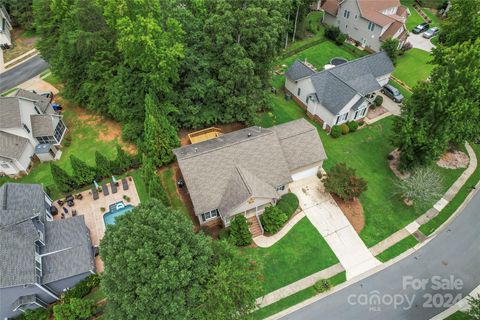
39 257
5 27
370 22
243 172
339 94
28 126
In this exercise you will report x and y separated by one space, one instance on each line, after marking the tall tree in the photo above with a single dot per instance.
442 110
122 162
342 181
103 166
462 24
390 46
82 173
20 12
160 136
63 180
153 257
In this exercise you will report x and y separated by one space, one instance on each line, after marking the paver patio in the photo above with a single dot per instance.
324 213
93 214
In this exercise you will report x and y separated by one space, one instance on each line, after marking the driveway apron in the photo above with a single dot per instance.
326 216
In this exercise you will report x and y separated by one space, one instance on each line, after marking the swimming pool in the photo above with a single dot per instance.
116 210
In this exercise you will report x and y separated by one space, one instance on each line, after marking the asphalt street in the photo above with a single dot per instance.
417 287
22 72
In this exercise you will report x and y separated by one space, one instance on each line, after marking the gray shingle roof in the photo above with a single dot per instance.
357 105
27 199
9 113
41 102
69 249
12 146
298 70
223 172
42 125
335 87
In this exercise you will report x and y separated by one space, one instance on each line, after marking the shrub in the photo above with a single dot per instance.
288 204
332 32
352 126
342 182
407 46
322 285
377 102
345 129
224 233
75 309
336 131
239 233
273 219
206 230
82 288
341 39
390 46
67 142
36 314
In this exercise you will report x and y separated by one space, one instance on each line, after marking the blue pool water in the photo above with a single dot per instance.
116 210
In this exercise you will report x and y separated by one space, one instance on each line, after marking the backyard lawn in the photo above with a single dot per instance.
413 66
168 181
414 18
300 253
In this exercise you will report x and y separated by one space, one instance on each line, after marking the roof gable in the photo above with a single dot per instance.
10 116
299 70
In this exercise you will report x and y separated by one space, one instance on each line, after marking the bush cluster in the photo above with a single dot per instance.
336 131
83 288
273 219
239 233
322 285
377 102
333 33
343 129
352 126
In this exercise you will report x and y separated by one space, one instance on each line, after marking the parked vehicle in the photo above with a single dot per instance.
392 93
421 28
431 32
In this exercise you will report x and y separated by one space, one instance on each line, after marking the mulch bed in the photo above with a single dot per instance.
453 159
393 164
353 210
378 111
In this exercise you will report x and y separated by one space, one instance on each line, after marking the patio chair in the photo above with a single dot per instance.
124 184
95 193
105 190
113 186
74 213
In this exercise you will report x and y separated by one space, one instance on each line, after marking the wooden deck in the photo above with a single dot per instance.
204 135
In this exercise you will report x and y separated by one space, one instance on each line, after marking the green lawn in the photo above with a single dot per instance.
397 249
459 315
432 16
166 176
140 185
52 79
403 91
414 18
294 299
413 66
300 253
85 136
314 21
453 205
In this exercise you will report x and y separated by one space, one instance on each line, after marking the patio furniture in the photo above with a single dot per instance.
60 203
105 190
74 213
124 184
53 210
65 210
95 193
63 215
79 196
70 203
113 186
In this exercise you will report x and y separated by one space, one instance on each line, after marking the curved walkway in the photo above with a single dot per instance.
265 242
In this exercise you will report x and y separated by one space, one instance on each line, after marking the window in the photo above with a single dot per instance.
308 98
280 188
346 14
364 111
356 114
345 116
59 130
298 91
338 119
371 26
209 215
46 140
26 128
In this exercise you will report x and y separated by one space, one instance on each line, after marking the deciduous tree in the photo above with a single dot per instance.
75 309
462 23
342 181
390 46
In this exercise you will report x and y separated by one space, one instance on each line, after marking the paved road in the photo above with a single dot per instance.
454 253
22 72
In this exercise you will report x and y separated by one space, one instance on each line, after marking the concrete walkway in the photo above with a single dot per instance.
324 213
265 242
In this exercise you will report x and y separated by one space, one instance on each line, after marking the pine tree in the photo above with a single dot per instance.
147 169
83 173
156 190
104 166
123 161
160 136
63 180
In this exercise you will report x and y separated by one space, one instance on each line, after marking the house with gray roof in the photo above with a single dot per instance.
244 171
29 128
5 28
340 93
39 257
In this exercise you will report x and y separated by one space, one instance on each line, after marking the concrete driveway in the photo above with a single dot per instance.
390 105
418 41
326 216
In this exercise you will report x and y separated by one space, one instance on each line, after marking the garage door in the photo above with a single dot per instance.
305 173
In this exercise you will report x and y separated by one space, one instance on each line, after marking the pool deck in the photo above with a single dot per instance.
92 210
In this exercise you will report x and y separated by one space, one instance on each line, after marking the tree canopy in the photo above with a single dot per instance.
462 24
157 267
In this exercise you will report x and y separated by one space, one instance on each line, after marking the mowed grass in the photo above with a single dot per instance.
432 16
413 67
397 249
169 184
300 253
414 18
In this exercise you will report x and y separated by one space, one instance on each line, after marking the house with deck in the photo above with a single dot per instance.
29 129
369 22
39 257
244 171
339 93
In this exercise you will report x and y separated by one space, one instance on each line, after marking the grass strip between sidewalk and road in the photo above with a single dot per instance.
294 299
397 249
428 228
